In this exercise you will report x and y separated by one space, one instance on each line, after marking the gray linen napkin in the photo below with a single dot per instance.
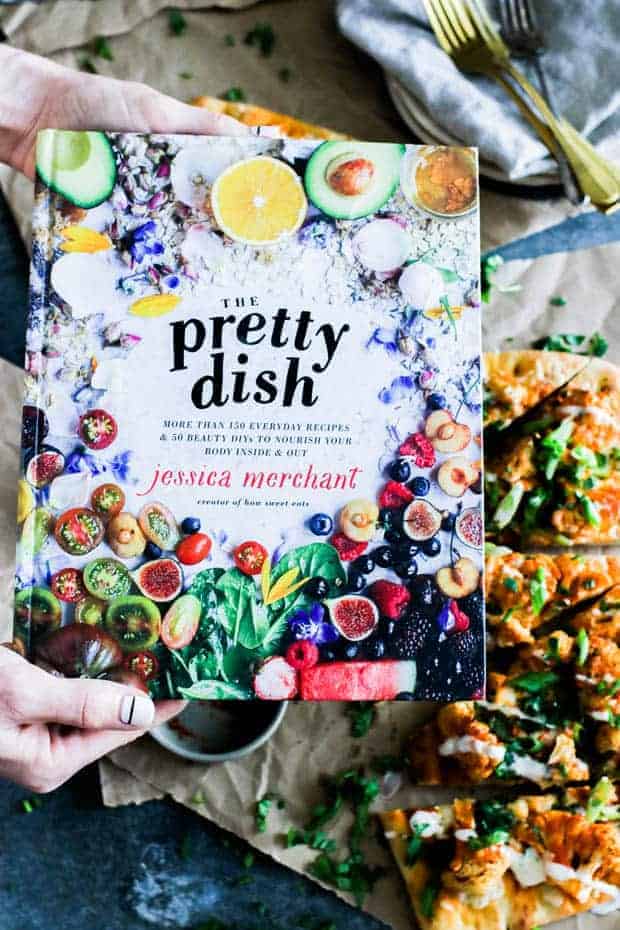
581 64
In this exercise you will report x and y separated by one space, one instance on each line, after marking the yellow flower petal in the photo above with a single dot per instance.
265 579
155 305
284 586
82 239
435 313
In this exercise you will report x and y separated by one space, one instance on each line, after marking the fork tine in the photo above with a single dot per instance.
528 12
445 35
504 15
513 15
486 27
461 23
520 18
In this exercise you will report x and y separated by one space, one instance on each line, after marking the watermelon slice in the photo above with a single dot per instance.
357 681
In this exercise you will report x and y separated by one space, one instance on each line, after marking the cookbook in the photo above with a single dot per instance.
251 456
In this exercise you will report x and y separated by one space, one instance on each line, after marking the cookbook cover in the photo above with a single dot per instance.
251 429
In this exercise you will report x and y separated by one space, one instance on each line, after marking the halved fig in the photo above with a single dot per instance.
79 651
354 616
45 465
456 475
468 527
161 579
421 520
460 579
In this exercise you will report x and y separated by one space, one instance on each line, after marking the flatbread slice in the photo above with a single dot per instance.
489 865
525 592
251 115
518 380
555 479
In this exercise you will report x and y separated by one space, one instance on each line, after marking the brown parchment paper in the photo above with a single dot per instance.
333 85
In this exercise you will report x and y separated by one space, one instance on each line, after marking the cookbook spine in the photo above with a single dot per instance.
31 513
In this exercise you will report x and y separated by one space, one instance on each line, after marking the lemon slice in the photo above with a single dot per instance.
258 201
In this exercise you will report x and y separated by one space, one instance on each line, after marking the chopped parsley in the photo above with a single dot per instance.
229 40
557 301
263 806
314 839
177 24
414 844
186 75
538 590
362 714
262 36
233 94
590 510
583 646
101 48
573 342
428 897
507 615
85 64
535 682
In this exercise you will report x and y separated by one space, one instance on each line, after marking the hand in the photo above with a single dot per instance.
35 708
39 94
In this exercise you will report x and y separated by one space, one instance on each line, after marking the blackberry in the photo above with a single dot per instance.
465 646
470 681
411 635
432 682
473 606
424 591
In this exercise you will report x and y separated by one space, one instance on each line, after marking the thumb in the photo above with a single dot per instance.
91 705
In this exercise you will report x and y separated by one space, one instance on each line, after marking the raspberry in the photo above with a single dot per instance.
420 449
346 548
302 654
395 494
390 598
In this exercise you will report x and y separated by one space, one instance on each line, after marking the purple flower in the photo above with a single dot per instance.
144 241
398 389
311 625
385 338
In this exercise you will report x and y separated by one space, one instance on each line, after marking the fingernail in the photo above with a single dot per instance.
137 711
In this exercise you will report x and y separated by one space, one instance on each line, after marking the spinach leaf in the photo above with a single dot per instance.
316 559
211 690
242 615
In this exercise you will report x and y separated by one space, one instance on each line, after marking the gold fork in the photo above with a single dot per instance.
467 35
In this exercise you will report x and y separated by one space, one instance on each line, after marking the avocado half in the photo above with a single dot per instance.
79 166
385 158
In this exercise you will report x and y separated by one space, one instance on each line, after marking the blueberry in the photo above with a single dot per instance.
351 650
152 551
393 536
400 470
405 696
328 655
317 588
436 401
420 486
355 581
387 517
321 524
383 556
408 569
374 647
390 628
406 550
190 525
365 564
431 546
448 521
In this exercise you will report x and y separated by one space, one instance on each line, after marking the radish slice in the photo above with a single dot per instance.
382 245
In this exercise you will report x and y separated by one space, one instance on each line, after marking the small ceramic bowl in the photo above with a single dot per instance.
218 731
416 158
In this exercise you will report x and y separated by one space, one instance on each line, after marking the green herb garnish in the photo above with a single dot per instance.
362 714
428 899
553 446
573 342
538 590
101 48
535 682
229 40
263 806
583 646
177 24
558 301
263 36
85 64
234 94
511 584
